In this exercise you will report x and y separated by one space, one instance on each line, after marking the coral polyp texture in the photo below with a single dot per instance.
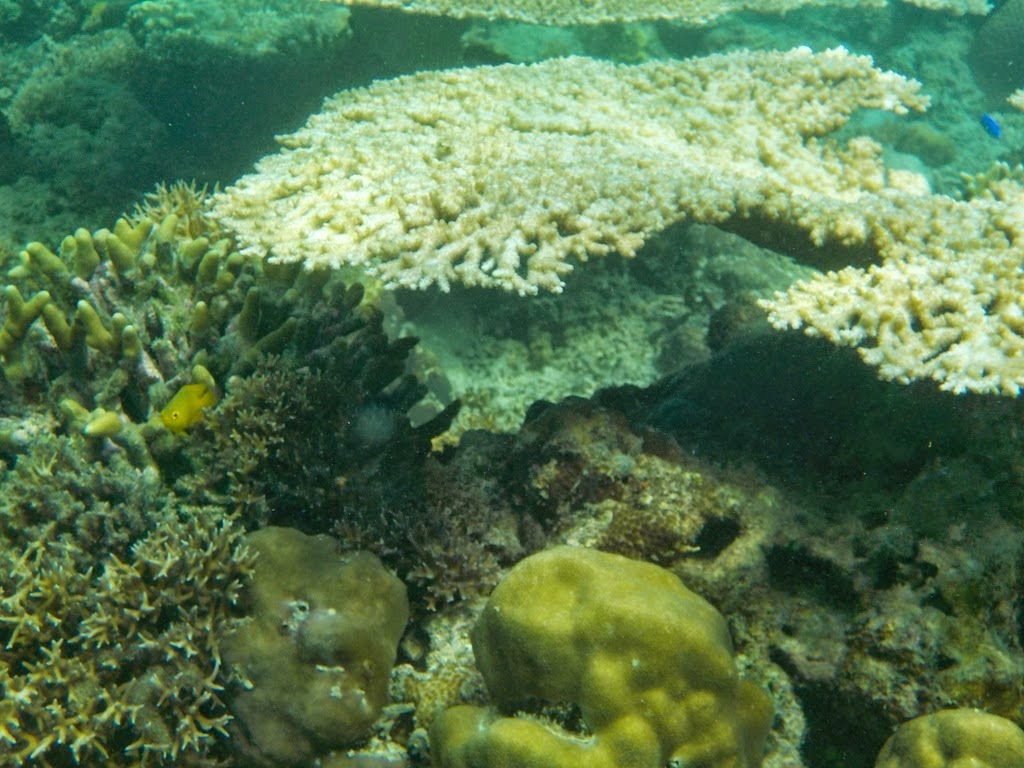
648 663
114 599
953 738
504 176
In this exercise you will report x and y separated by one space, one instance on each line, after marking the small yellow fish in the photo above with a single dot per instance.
186 407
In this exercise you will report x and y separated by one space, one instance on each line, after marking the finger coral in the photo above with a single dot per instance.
502 176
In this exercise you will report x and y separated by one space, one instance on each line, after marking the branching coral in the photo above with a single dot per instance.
114 598
944 302
102 332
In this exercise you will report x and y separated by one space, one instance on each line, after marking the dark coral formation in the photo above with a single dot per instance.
995 52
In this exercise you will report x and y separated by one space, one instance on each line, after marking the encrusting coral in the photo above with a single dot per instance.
648 664
500 176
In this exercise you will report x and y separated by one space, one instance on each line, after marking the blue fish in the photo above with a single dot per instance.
991 126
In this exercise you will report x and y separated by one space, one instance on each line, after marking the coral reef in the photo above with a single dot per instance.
196 31
102 332
100 100
648 664
115 599
607 12
943 303
617 322
317 649
504 190
955 737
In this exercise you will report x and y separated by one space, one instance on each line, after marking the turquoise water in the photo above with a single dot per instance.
164 394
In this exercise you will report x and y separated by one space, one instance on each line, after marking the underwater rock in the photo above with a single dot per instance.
995 54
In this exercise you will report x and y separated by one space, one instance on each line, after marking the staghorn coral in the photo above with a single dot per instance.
434 179
114 599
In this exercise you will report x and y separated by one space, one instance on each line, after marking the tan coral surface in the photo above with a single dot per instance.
945 302
502 176
695 12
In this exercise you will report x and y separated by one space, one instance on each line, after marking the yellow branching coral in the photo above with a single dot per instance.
501 176
944 304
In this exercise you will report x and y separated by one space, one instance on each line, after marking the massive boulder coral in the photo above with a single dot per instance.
318 649
502 176
648 663
952 738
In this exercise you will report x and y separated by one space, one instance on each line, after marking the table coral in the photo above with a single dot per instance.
943 302
318 649
505 176
648 663
555 12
